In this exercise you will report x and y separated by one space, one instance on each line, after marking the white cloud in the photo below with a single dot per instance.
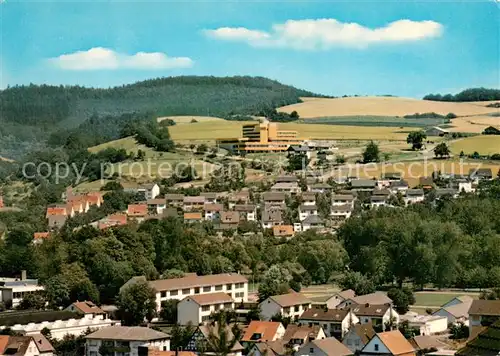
328 33
99 58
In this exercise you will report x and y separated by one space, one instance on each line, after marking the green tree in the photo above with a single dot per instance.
168 311
340 159
358 282
402 299
33 301
297 161
136 303
442 150
416 139
276 281
371 153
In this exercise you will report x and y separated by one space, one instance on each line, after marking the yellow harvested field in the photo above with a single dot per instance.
473 124
412 170
484 103
381 106
210 131
189 119
484 145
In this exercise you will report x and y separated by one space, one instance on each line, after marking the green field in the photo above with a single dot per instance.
483 144
386 121
436 299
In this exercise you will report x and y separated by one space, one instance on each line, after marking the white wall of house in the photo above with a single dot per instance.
376 320
238 291
375 346
310 349
340 214
333 328
353 341
15 294
443 312
307 226
466 187
414 199
188 311
269 308
303 214
431 327
92 346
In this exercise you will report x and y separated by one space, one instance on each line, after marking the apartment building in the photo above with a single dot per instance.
198 308
12 290
289 305
233 284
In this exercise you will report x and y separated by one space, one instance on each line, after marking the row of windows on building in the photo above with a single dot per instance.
206 289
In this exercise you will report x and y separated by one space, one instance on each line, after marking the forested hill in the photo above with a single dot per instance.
42 104
472 94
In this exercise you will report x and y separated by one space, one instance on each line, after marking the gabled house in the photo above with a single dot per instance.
269 348
210 197
240 198
193 217
287 179
483 313
386 179
212 211
175 200
358 336
426 183
324 347
156 206
390 343
307 210
298 335
343 199
372 298
262 331
40 237
137 212
271 218
436 131
229 219
312 222
116 219
399 186
287 188
193 203
247 212
341 212
480 174
200 344
458 300
273 199
455 312
363 185
414 196
148 191
25 346
332 301
446 192
288 305
319 188
196 309
308 198
283 231
87 308
377 201
335 322
379 315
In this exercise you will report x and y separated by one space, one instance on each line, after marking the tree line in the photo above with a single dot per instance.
472 94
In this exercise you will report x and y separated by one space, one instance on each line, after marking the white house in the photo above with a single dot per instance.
414 196
156 206
36 345
343 199
247 211
323 347
273 199
341 212
455 312
465 185
358 336
212 211
320 188
122 340
335 322
271 218
286 187
210 197
426 324
233 284
388 343
332 301
307 210
377 315
12 290
308 198
150 191
312 222
377 201
289 305
197 309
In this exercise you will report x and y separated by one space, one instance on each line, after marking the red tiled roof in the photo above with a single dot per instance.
266 329
193 216
56 211
40 235
88 307
137 210
396 342
283 230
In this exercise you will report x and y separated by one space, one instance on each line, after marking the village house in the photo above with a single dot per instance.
298 335
229 220
343 199
335 322
483 313
436 131
425 343
269 348
312 222
341 212
233 284
35 345
399 186
193 203
212 211
271 218
308 198
193 217
156 206
414 196
458 300
332 301
286 179
389 343
377 201
465 185
12 290
425 324
137 212
262 331
295 149
149 190
200 340
116 219
427 183
372 298
196 309
40 237
57 216
379 315
387 178
210 197
175 200
479 174
363 185
455 310
283 231
120 340
286 187
289 305
247 212
324 347
307 210
358 336
446 192
321 188
273 199
240 198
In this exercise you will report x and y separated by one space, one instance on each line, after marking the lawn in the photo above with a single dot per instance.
386 121
483 144
436 299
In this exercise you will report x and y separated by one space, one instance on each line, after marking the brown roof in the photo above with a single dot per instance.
272 348
208 195
87 307
347 294
370 309
324 315
131 333
266 329
42 343
342 197
210 298
227 217
459 310
4 340
272 216
372 298
137 210
396 342
330 346
485 307
195 199
294 331
213 207
283 230
196 281
157 201
244 207
290 299
17 345
365 332
425 342
55 211
193 216
273 196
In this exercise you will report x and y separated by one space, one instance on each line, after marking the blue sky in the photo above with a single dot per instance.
359 47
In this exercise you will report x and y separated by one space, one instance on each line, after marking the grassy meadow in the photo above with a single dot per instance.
483 144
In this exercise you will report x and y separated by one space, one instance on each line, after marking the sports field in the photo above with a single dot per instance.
381 106
483 144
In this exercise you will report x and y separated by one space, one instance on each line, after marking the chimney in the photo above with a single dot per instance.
23 275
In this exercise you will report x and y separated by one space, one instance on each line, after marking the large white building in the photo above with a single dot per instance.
197 309
12 290
233 284
288 305
125 340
